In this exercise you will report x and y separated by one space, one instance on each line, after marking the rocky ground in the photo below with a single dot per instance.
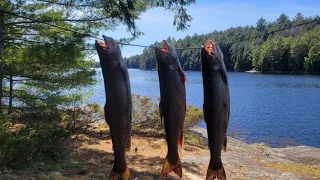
91 158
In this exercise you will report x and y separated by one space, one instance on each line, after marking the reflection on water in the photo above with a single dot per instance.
276 109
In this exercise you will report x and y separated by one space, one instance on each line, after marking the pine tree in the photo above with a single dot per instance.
51 64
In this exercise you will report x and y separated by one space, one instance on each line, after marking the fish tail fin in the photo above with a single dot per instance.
129 145
213 174
181 140
224 146
114 175
167 168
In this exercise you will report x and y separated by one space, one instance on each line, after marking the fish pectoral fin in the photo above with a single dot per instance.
106 112
129 145
204 113
213 174
181 140
224 146
167 168
161 113
114 175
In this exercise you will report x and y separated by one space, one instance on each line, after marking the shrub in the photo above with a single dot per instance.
194 116
143 108
146 114
79 117
37 142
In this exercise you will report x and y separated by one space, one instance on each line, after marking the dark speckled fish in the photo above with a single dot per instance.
118 107
172 105
216 106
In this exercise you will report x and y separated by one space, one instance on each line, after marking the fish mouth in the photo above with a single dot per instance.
167 51
165 46
111 43
108 50
167 56
100 45
213 50
108 46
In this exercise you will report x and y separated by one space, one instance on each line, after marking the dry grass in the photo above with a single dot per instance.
304 170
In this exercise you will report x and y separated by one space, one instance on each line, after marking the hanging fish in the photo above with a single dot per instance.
118 107
172 105
216 106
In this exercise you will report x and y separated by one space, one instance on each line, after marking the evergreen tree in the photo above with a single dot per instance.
284 51
51 64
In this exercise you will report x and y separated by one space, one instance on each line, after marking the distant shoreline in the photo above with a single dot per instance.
250 71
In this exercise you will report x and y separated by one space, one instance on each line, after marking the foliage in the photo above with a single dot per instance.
142 108
313 59
133 62
31 143
30 138
279 52
80 116
273 55
193 117
146 114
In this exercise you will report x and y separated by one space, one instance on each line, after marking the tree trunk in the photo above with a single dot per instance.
1 58
1 63
10 92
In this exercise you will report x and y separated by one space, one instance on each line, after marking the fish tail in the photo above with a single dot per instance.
114 175
213 174
168 167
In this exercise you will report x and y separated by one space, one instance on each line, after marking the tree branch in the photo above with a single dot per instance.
14 43
71 5
25 34
26 40
60 20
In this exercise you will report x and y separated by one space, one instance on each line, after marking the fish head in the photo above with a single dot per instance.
167 56
109 52
212 56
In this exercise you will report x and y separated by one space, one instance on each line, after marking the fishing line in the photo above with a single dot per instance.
144 46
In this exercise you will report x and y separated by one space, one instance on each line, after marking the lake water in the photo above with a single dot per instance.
278 110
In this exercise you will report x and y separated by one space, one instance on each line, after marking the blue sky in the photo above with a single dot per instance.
210 15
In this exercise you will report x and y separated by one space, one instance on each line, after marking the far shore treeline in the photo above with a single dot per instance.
294 50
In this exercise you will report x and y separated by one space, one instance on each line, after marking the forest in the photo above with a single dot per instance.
292 50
